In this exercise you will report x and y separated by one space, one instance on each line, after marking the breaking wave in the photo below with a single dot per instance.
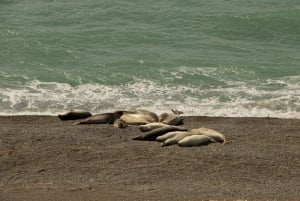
273 98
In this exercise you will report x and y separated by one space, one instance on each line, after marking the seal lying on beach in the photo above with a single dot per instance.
175 139
139 117
168 135
74 114
219 137
171 119
195 140
104 118
120 123
152 126
153 134
184 139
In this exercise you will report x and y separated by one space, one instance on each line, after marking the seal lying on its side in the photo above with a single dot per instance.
219 137
105 118
152 126
74 114
175 139
168 135
139 117
120 123
152 135
195 140
171 119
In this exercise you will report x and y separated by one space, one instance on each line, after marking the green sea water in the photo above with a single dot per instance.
210 57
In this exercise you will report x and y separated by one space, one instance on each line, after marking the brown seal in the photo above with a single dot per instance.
104 118
120 123
171 119
152 126
219 137
176 138
195 140
152 135
74 114
139 117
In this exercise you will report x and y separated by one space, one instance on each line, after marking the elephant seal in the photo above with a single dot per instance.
139 117
175 139
152 126
104 118
136 117
171 119
168 135
152 135
150 115
195 140
74 114
210 133
120 123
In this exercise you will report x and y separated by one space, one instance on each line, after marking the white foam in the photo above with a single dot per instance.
236 100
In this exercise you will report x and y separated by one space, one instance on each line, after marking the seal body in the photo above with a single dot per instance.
120 123
104 118
175 139
152 126
139 117
195 140
219 137
171 119
168 135
151 116
152 135
74 114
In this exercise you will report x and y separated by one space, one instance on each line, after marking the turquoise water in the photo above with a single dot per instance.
215 58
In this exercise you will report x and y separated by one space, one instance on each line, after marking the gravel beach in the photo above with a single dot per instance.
43 158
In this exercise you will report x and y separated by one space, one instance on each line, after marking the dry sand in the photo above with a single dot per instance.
43 158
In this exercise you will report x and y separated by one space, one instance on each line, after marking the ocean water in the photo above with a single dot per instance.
210 57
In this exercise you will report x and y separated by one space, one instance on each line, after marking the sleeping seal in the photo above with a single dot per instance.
152 126
152 135
210 133
74 114
120 123
168 135
195 140
104 118
171 119
175 139
139 117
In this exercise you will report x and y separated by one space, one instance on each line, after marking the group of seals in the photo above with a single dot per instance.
121 119
164 128
169 135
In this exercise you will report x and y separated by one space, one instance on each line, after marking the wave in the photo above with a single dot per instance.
273 98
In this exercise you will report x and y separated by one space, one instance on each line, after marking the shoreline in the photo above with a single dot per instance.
43 158
207 116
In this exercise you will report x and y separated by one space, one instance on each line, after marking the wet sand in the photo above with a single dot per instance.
43 158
